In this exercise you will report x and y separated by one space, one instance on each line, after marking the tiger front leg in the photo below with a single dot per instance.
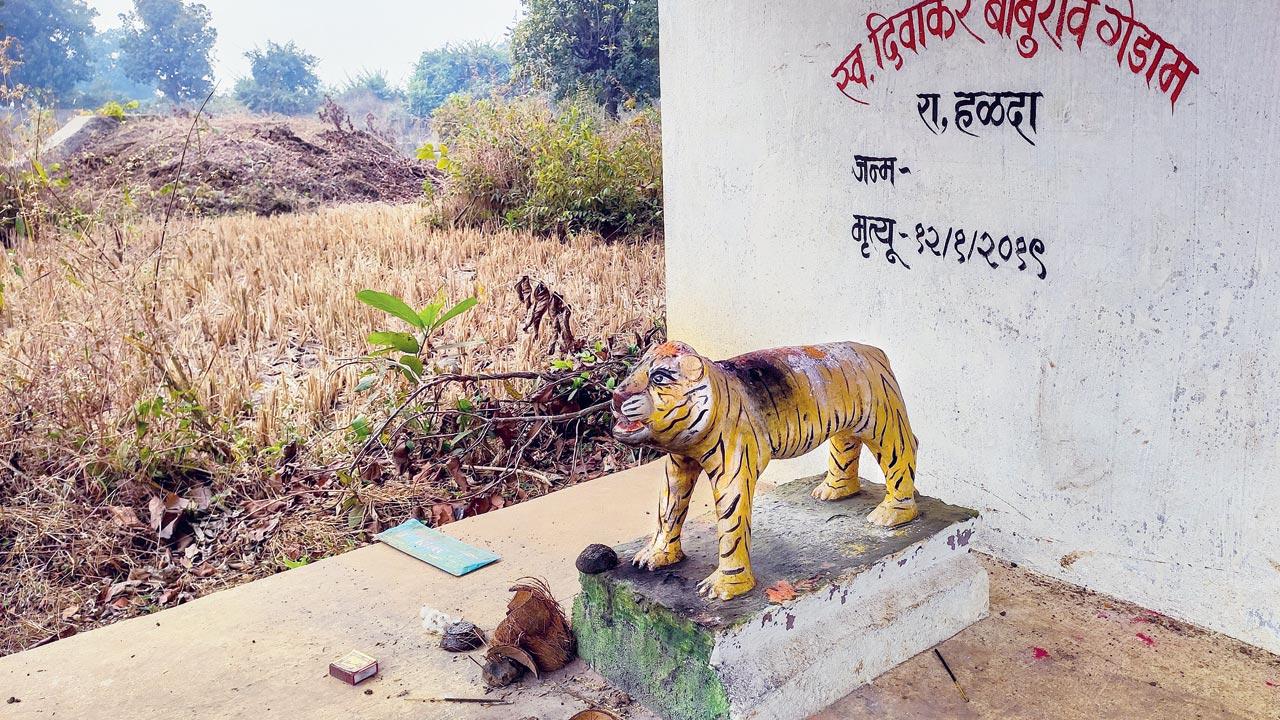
673 505
733 488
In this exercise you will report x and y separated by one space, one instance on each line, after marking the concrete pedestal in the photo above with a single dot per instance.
868 599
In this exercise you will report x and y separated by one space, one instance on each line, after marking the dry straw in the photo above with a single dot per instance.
256 314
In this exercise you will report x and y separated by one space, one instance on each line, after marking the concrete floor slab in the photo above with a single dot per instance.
262 650
1053 651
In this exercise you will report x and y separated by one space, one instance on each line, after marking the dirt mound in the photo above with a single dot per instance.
257 165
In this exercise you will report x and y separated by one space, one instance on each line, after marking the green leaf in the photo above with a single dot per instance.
366 382
404 342
355 517
413 369
429 313
465 405
360 426
455 311
390 304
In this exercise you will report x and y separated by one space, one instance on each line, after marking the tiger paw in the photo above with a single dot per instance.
832 488
722 586
892 513
658 555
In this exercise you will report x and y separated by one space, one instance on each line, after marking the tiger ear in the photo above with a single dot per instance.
691 367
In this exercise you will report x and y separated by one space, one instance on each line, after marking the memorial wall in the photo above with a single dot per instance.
1058 219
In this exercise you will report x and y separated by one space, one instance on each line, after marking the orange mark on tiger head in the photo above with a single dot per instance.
672 349
816 353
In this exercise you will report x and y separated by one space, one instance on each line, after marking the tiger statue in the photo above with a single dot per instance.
730 418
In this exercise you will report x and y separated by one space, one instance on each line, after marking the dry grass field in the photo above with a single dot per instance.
230 334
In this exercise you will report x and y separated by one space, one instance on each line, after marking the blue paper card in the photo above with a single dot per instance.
435 548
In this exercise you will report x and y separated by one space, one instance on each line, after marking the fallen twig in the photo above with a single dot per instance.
480 701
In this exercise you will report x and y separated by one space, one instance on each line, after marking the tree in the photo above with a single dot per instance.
608 48
51 42
108 80
168 43
374 84
476 68
283 80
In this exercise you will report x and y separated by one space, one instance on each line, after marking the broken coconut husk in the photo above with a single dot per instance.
536 624
500 671
514 653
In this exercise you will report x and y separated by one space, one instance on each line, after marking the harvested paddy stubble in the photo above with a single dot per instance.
242 336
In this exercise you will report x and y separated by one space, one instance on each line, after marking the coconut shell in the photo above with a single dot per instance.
594 714
536 624
514 653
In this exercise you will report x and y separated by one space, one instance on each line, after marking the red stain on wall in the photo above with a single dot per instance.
1146 639
1039 653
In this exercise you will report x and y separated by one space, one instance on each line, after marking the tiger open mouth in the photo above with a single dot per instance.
627 427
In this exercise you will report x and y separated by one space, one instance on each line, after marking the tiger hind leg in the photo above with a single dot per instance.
898 461
842 468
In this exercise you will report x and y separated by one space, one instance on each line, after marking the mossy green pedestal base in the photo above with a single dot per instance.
868 599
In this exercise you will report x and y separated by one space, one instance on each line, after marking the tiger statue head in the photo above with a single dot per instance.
666 401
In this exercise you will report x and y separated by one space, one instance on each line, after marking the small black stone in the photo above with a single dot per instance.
597 558
461 637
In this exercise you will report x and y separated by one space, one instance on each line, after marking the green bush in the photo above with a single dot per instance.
113 109
526 164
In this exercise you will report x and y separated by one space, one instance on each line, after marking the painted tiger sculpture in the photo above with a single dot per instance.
730 418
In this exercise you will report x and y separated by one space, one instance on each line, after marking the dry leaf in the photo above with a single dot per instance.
454 466
166 513
479 505
809 584
541 302
372 472
124 516
441 513
201 497
780 592
401 457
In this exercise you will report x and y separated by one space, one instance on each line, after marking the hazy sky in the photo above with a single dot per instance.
348 36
